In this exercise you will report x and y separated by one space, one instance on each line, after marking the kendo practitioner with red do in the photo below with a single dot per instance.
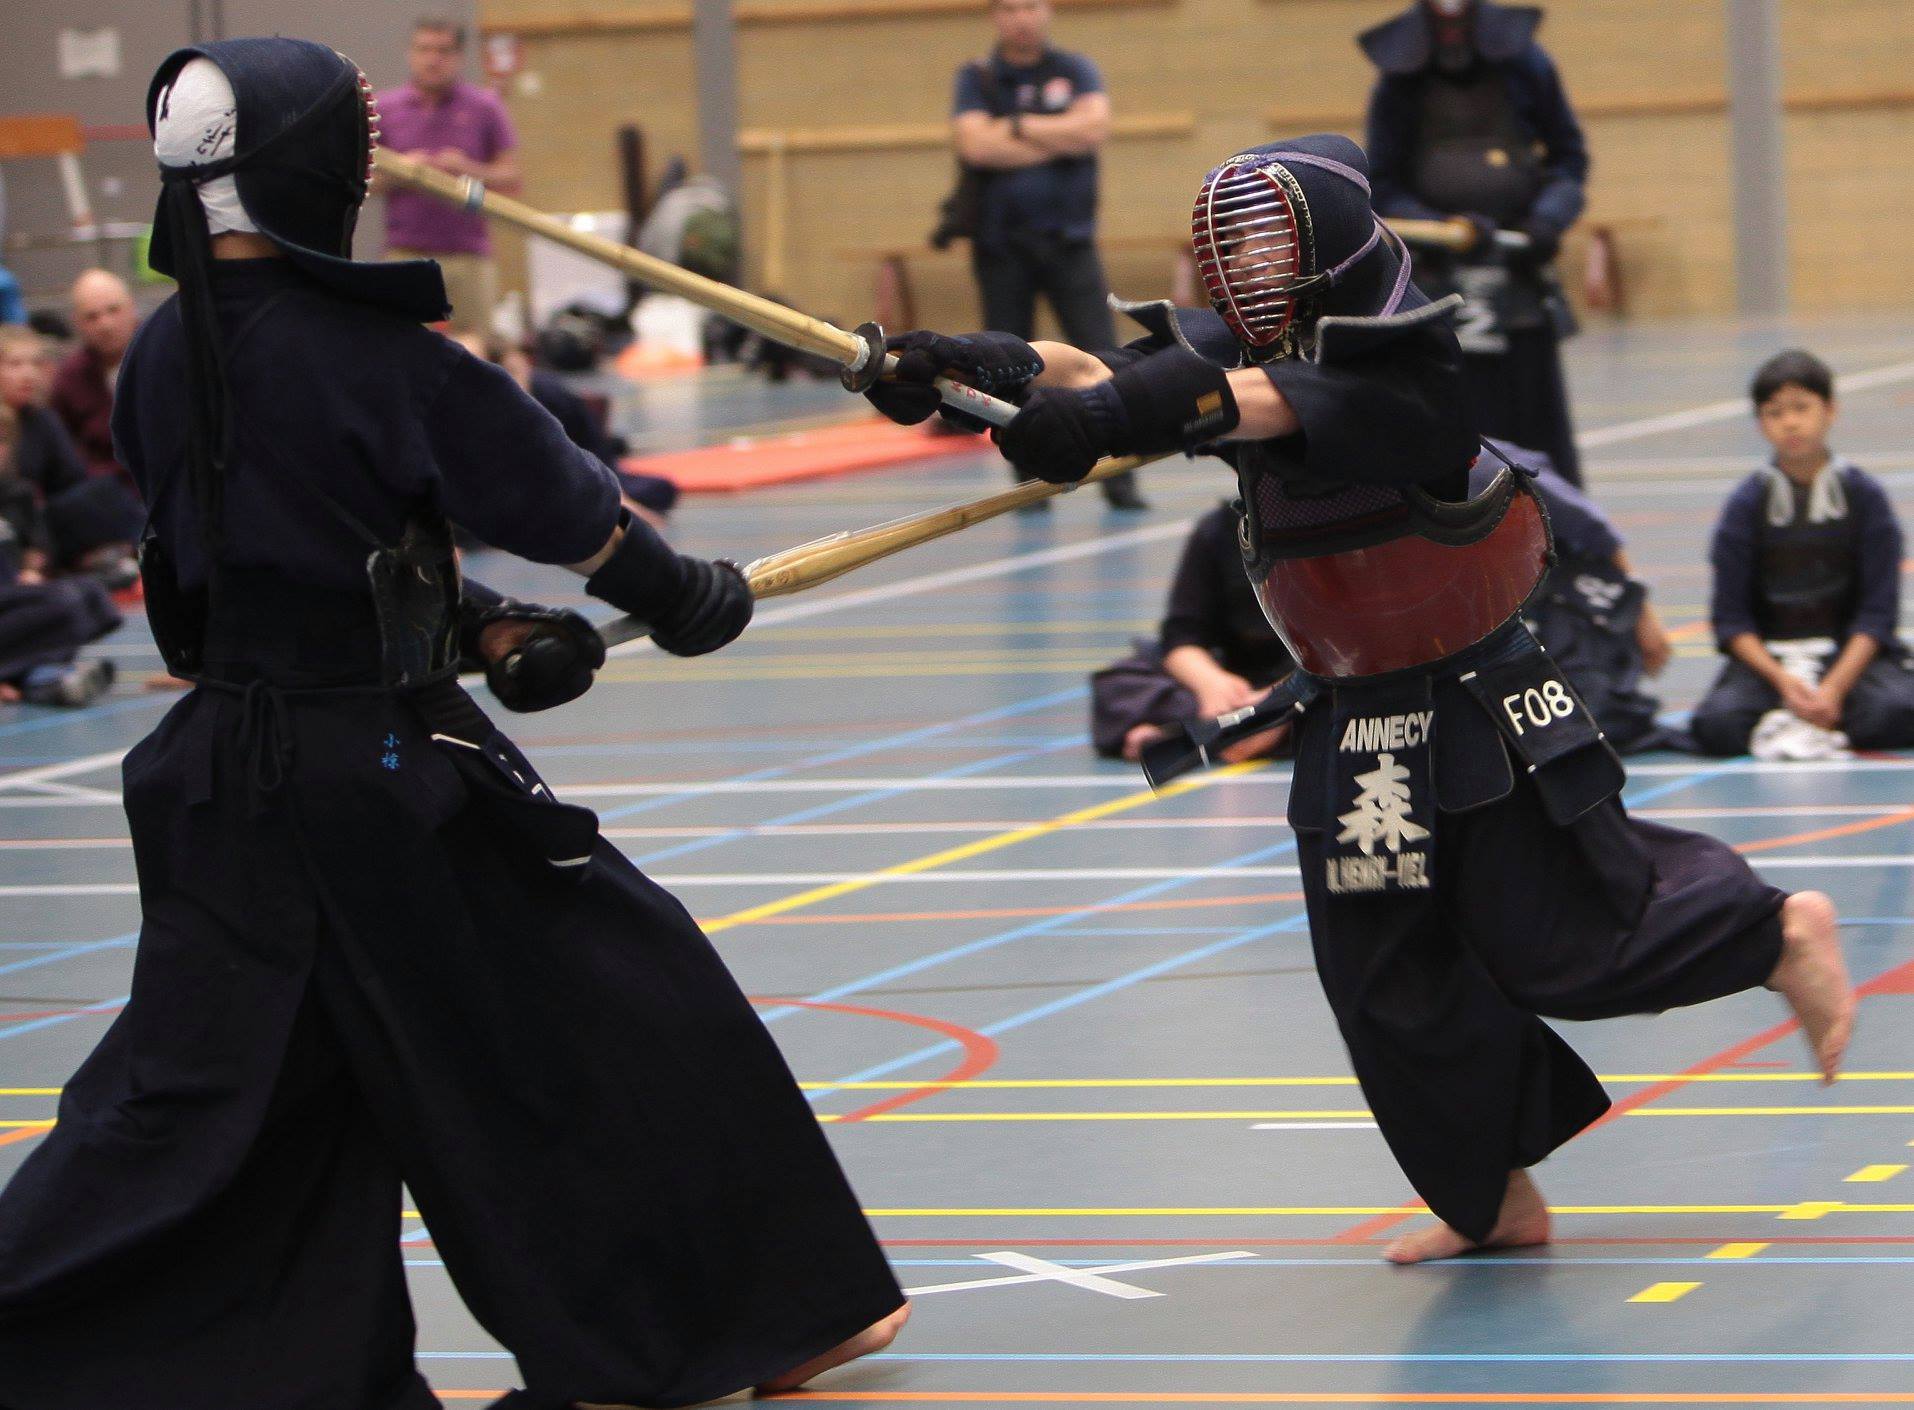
1468 118
374 949
1467 863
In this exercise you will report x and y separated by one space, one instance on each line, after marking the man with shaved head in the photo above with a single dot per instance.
104 315
95 525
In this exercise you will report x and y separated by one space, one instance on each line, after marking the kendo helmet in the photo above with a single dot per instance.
1284 234
275 136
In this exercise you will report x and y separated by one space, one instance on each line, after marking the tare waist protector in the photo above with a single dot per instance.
1367 580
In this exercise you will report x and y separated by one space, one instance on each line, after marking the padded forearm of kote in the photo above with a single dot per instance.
644 576
1173 400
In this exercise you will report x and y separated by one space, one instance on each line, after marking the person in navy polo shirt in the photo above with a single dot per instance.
1033 117
461 128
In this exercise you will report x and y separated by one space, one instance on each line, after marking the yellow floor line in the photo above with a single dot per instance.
1813 1209
1342 1114
1329 1211
1737 1251
1351 1211
1874 1174
1305 1114
1664 1292
994 843
1774 1111
984 1084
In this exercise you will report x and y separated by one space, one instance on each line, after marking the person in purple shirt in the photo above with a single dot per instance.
458 127
1807 554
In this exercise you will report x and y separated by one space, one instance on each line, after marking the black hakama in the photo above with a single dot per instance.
362 963
1532 895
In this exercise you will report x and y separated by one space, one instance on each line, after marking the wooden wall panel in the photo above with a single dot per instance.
1648 74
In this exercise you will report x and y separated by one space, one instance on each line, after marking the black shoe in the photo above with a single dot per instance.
1120 493
1036 506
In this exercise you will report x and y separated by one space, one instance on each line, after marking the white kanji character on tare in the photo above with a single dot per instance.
1382 809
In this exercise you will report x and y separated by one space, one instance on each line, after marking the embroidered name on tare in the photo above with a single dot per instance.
1370 733
1408 871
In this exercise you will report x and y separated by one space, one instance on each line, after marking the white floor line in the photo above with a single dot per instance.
990 826
1718 411
22 778
1031 876
1112 782
1042 1270
953 577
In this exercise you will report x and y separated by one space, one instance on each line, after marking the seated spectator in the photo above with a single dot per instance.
1215 652
43 624
90 525
1807 591
651 497
1591 614
106 319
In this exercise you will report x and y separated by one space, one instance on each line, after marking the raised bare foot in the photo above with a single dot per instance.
1812 976
1138 739
875 1337
1522 1222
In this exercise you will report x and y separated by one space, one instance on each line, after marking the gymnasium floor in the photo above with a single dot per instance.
1067 1037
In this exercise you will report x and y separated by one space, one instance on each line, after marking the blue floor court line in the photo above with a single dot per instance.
858 751
16 1030
1085 996
857 800
1039 927
85 947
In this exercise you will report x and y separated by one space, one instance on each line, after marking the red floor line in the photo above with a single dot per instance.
980 1053
1015 1240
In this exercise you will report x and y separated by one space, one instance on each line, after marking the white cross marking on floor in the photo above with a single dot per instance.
1039 1270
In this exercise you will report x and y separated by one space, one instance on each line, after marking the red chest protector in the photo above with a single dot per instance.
1366 580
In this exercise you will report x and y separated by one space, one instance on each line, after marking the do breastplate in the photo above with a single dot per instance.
1472 154
1808 585
1366 580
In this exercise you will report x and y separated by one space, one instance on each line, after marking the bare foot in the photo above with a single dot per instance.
1522 1222
1140 737
1812 976
875 1337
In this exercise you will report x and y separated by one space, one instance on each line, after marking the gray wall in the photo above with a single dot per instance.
119 174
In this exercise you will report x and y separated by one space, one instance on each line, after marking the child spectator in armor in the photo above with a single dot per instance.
1215 652
42 625
1807 591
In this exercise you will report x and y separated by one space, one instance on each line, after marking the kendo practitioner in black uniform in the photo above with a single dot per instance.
1592 614
1468 866
1214 651
1468 118
374 948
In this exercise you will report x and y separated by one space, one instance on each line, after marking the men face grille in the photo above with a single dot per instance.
1243 229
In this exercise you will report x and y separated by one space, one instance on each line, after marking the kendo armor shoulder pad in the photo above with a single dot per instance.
1345 337
1201 330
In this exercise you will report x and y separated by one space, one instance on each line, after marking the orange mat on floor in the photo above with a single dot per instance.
747 463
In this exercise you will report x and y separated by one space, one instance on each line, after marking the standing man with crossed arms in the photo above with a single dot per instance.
1032 118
